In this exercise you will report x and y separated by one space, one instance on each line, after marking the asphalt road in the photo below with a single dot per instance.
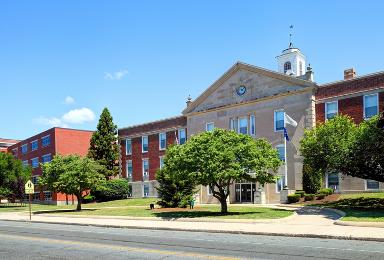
22 240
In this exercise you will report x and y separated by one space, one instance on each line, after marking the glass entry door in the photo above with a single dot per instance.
244 192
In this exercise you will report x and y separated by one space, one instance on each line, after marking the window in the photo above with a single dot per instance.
145 167
209 191
209 127
333 181
47 195
287 66
372 185
36 196
15 152
46 158
280 183
34 145
233 122
161 162
45 141
129 169
281 150
128 146
24 148
182 136
252 124
301 67
35 162
331 110
145 190
144 144
162 141
370 105
35 180
243 125
25 163
279 120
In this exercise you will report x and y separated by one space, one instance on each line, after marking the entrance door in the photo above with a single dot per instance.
244 192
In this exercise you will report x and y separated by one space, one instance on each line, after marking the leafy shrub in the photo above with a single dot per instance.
312 179
114 189
293 198
300 192
89 198
308 197
326 191
321 196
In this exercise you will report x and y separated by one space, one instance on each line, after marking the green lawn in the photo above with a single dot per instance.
364 195
376 215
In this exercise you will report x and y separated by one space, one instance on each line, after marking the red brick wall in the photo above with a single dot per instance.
320 112
72 141
352 107
381 102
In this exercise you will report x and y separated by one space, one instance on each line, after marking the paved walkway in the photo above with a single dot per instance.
308 222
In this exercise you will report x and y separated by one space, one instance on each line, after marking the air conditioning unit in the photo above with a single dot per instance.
145 173
146 194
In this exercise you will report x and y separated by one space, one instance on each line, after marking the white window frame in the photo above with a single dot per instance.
42 142
210 123
274 119
145 184
238 124
37 162
126 168
143 171
42 157
26 150
128 152
282 179
366 185
326 108
142 143
25 163
161 158
179 134
252 121
326 180
37 146
377 102
165 139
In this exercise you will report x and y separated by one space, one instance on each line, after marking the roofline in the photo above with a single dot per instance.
72 129
9 140
352 79
152 122
241 65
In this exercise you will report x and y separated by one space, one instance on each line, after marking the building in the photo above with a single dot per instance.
253 100
359 97
5 143
41 148
142 151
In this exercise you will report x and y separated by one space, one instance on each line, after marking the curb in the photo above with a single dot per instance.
211 231
359 224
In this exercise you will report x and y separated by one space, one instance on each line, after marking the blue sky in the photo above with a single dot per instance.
61 62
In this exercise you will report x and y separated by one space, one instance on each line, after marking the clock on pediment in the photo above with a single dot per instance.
241 90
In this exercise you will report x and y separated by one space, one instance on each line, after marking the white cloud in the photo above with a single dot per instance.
69 100
117 75
79 116
75 116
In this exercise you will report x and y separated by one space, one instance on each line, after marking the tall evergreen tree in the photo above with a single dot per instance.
104 146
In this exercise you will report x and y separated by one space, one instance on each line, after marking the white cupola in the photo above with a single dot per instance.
291 61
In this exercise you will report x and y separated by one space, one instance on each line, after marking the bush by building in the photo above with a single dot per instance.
114 189
293 198
309 197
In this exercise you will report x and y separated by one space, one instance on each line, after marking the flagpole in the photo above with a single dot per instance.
286 161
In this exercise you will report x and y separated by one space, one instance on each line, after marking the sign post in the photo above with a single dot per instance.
29 189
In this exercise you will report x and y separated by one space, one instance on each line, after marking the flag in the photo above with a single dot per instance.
289 120
286 134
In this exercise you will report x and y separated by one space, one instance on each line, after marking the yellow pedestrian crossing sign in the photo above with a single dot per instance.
29 187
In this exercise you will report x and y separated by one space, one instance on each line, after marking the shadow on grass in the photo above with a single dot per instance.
9 206
60 211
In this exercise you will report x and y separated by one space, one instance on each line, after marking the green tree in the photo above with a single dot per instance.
325 149
73 175
13 175
365 158
219 158
176 185
104 144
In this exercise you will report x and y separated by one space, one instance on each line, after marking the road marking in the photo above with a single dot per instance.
120 248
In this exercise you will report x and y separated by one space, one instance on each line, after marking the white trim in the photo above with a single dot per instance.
46 155
37 147
326 181
238 124
145 184
252 118
326 108
126 151
142 143
142 162
274 119
161 158
37 162
21 148
281 178
165 135
206 126
126 168
366 185
178 134
377 104
42 143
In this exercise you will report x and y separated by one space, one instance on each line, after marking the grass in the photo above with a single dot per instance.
376 215
364 195
140 208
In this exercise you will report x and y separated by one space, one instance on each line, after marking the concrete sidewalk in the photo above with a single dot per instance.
308 222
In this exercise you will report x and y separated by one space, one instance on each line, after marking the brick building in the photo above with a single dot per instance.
359 97
5 143
142 151
42 147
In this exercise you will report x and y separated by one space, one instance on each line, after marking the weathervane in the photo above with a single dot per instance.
290 36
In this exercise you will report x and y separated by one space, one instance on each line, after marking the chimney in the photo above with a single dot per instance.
349 73
189 100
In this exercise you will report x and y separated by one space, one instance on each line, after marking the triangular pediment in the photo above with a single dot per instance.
244 83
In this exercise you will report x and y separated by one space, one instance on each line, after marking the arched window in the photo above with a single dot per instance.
287 66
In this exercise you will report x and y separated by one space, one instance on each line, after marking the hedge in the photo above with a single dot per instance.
114 189
308 197
293 198
300 192
321 196
327 191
